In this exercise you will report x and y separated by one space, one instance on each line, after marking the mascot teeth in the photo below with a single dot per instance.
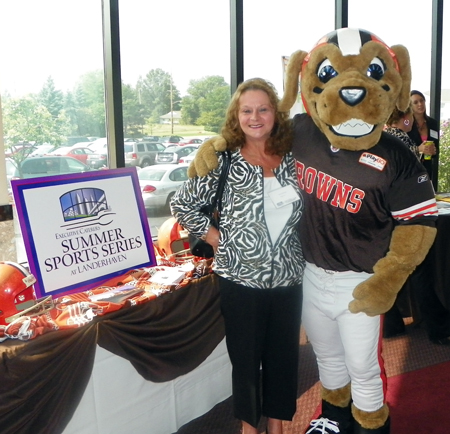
353 127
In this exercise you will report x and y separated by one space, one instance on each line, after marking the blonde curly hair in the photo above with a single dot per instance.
280 141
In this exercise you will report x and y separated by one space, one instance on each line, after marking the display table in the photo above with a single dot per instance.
121 369
438 259
433 274
117 400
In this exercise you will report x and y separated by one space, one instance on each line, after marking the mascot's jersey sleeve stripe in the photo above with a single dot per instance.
427 208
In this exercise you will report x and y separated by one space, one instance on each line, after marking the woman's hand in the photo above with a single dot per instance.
212 237
427 148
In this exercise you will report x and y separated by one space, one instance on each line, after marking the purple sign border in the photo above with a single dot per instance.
20 185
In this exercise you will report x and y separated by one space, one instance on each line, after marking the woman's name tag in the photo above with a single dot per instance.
283 196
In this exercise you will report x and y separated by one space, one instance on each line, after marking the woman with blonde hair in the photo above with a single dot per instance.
258 256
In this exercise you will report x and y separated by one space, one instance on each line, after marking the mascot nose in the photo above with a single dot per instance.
352 95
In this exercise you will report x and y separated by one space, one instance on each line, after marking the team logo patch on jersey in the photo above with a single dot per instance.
422 178
372 161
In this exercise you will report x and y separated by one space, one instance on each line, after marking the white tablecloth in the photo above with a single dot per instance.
117 400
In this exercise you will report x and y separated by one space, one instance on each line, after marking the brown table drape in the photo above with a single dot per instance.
43 380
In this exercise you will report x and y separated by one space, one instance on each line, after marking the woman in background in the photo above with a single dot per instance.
425 129
399 125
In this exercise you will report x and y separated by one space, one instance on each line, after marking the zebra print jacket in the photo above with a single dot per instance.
245 254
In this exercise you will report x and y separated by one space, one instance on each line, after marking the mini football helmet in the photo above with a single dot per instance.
17 294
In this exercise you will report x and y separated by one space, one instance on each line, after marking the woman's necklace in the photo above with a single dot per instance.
268 164
422 125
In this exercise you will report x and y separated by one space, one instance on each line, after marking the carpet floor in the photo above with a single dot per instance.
413 365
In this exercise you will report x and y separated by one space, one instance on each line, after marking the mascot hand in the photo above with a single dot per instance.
206 159
408 248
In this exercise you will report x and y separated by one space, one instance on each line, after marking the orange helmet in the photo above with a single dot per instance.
16 290
173 240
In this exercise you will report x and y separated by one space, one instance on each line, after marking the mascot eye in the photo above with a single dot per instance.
376 69
326 71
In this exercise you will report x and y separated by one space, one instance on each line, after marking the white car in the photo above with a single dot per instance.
42 150
159 183
188 158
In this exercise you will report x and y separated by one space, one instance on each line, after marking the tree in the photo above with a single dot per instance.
157 94
444 157
133 112
190 111
89 95
25 120
207 102
71 110
51 98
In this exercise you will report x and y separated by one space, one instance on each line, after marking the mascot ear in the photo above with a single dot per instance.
404 65
292 80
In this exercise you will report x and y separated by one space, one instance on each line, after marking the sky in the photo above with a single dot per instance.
190 39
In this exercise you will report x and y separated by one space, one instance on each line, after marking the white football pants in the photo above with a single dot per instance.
347 345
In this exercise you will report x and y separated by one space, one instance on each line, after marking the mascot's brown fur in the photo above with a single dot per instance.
351 110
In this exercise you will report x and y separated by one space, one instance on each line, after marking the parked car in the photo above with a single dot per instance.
171 156
155 139
99 157
191 142
80 153
159 183
42 150
188 158
141 154
98 143
22 149
171 139
76 139
97 160
48 165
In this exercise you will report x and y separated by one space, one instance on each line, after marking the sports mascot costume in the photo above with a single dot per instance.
369 217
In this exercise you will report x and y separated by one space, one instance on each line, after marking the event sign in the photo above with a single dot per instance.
81 229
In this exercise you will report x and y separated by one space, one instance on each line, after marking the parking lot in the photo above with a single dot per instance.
155 222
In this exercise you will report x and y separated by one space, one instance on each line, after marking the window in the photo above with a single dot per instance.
56 62
278 29
396 24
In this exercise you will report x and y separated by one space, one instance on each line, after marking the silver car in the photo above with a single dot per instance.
159 183
141 154
173 155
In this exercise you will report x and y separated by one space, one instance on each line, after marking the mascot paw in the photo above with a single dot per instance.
373 297
408 247
206 159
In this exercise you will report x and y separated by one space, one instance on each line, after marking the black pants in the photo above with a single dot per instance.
262 329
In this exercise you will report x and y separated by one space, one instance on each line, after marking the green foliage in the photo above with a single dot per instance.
25 119
157 94
206 103
90 104
444 158
51 115
133 112
51 98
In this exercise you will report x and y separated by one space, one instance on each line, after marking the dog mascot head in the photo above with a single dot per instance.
350 83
